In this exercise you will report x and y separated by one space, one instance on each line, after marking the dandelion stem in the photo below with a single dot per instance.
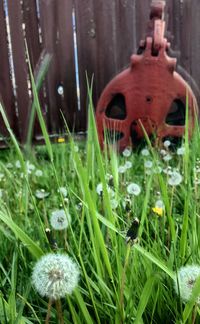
48 311
59 311
194 313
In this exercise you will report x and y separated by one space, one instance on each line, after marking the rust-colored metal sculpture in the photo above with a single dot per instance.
148 95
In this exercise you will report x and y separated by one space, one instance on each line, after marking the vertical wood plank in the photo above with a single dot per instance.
106 39
86 28
67 102
20 66
56 23
126 42
6 91
32 23
31 29
142 17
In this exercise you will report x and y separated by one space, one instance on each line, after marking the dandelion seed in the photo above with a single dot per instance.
30 167
168 170
76 149
38 173
18 164
128 165
160 204
122 169
175 178
9 165
167 157
63 191
59 220
148 171
55 275
41 194
187 277
145 152
2 176
148 164
114 203
99 189
167 144
127 152
158 170
163 152
60 90
180 151
133 189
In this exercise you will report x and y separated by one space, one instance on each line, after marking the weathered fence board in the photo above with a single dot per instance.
20 66
107 33
6 91
57 35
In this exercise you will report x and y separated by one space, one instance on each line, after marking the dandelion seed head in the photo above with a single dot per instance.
99 189
122 169
187 277
127 152
18 164
167 157
133 189
167 143
59 220
30 167
128 165
114 203
9 165
2 176
168 170
145 152
38 173
175 178
163 152
41 194
55 275
157 169
148 164
180 151
159 204
63 191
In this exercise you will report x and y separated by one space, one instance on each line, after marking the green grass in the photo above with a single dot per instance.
119 282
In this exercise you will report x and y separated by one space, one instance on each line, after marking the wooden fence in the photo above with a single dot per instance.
107 33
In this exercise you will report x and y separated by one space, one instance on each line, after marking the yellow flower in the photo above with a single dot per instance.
61 140
158 211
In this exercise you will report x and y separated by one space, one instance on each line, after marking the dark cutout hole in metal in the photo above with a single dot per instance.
112 136
117 107
176 115
149 99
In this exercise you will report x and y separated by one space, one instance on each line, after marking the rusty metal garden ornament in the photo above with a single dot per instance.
148 95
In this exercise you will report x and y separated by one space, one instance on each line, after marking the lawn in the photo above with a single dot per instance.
100 237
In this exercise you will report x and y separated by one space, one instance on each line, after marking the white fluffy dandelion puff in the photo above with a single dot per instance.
63 191
55 275
127 152
185 281
175 178
133 189
59 219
